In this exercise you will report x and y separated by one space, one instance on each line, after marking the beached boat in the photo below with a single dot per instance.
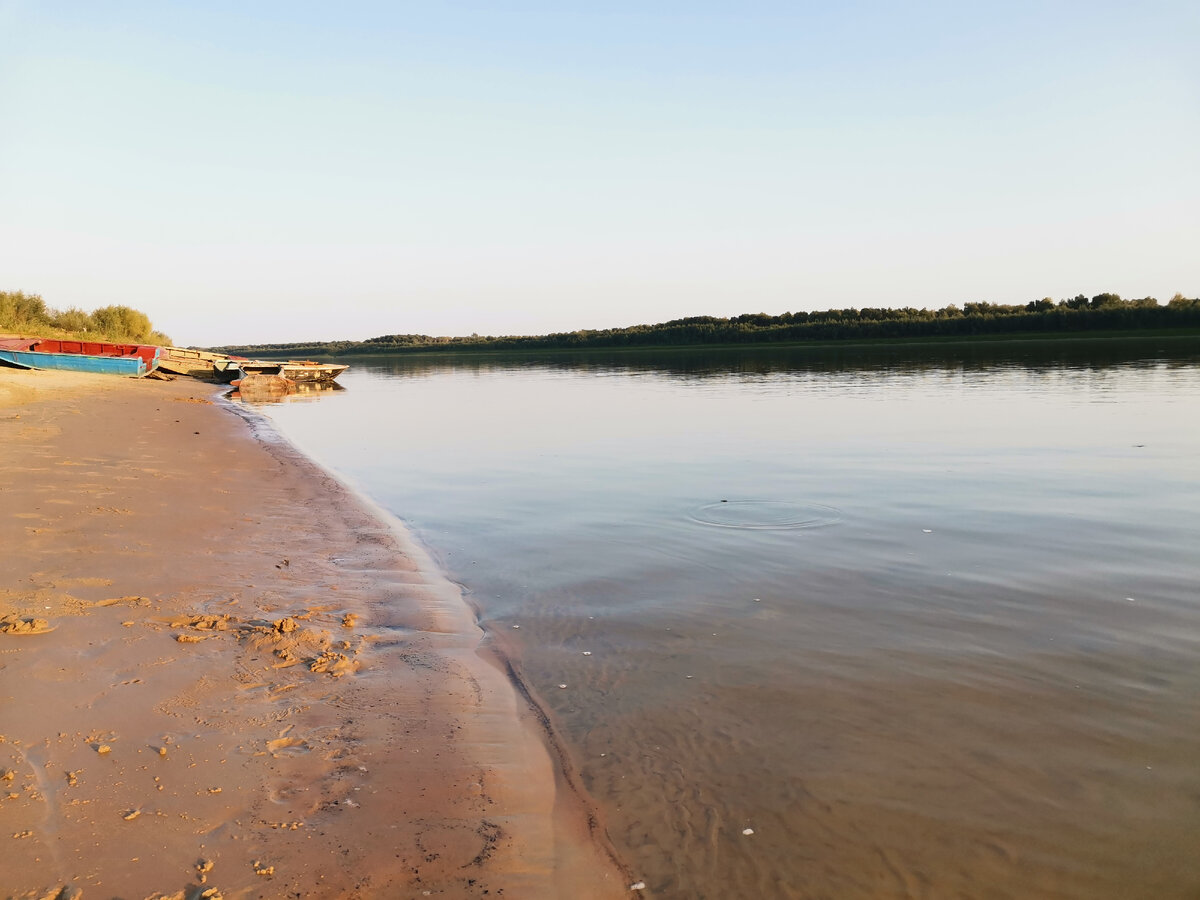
133 365
148 353
183 361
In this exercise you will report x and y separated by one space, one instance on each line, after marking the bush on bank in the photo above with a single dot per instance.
28 314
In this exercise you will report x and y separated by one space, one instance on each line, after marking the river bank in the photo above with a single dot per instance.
221 670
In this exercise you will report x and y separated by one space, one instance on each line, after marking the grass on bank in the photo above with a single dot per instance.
28 314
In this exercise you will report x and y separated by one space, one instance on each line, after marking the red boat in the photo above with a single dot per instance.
148 353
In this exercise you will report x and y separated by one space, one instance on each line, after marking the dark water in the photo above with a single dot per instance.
926 622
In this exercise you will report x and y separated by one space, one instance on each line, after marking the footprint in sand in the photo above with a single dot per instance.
287 746
21 625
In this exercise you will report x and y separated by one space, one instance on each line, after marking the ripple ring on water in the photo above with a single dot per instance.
762 515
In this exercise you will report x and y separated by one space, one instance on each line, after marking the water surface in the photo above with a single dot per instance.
926 623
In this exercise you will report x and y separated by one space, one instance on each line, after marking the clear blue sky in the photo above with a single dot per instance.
255 171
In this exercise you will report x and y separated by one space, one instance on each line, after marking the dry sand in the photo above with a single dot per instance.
222 675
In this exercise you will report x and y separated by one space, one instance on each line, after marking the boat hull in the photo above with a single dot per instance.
77 362
196 363
301 372
227 371
148 353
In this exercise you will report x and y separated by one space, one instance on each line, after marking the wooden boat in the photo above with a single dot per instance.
183 361
300 371
76 361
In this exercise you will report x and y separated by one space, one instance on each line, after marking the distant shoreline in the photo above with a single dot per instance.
460 350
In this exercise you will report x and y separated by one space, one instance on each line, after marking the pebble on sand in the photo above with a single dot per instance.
638 886
747 831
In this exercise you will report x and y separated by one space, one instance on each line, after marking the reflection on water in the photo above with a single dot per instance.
299 390
978 680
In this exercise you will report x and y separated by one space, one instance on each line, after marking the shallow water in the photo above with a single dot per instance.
926 623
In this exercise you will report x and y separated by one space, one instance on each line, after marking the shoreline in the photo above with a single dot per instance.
252 678
576 806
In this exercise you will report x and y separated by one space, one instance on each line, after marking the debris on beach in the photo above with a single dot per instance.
638 886
203 867
747 831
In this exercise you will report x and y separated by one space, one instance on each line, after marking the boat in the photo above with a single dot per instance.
183 361
134 366
300 371
227 370
148 353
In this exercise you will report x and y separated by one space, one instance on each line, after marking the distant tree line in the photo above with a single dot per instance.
28 314
1104 312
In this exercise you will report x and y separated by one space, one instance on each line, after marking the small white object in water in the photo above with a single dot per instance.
927 530
587 652
638 886
687 676
563 686
1130 599
747 831
758 599
516 626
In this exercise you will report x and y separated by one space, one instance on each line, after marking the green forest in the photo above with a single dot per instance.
1065 318
28 314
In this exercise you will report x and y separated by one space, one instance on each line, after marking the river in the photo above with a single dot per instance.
856 623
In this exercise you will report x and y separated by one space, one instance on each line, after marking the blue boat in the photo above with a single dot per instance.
76 362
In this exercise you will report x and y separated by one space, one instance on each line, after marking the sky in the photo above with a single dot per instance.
269 171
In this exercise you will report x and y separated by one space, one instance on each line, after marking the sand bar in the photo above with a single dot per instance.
223 675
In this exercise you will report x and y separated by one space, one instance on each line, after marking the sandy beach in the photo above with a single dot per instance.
224 675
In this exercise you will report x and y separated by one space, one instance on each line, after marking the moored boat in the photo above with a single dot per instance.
227 370
300 371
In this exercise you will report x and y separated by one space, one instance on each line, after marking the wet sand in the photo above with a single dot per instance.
223 675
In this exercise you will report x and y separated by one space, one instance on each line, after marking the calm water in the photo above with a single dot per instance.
928 625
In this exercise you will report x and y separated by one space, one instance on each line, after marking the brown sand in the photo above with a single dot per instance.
220 672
